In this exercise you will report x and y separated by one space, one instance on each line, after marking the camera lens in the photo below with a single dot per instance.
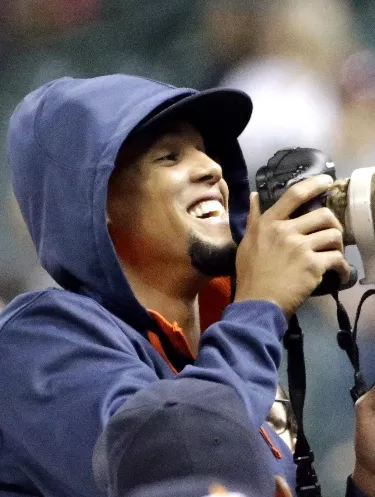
337 202
352 200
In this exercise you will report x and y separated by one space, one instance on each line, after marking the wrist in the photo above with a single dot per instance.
240 297
364 480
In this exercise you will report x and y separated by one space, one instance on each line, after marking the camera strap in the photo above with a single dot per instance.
306 479
347 340
307 484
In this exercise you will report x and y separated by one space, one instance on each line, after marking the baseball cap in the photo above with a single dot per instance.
183 435
220 112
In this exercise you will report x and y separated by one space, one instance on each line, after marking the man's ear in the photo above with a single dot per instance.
111 228
282 488
217 489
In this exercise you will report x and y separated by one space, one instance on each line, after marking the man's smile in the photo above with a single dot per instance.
209 210
206 209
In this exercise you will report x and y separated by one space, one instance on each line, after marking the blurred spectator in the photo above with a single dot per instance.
365 19
357 131
7 35
41 15
293 106
291 73
231 30
357 149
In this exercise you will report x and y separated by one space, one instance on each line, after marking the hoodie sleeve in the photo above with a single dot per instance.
67 367
244 350
352 490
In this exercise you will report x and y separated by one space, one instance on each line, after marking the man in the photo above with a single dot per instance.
136 197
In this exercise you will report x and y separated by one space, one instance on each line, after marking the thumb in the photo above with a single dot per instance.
254 206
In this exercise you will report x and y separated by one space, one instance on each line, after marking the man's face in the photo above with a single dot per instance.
168 201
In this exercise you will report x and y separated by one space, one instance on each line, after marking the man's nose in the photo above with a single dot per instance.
206 170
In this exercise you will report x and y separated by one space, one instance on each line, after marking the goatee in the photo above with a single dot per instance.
212 260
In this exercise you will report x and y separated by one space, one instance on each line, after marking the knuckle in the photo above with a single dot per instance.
327 215
315 267
341 259
279 229
301 246
337 237
311 262
338 263
330 219
336 259
298 193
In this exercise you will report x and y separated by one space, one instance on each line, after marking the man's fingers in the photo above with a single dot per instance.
299 194
254 206
334 260
319 219
328 239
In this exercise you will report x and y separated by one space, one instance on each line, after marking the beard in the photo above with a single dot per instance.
212 260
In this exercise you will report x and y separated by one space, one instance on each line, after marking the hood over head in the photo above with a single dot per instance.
63 141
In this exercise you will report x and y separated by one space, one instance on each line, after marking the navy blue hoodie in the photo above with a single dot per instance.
71 357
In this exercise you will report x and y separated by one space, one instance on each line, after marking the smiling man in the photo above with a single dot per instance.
137 199
175 222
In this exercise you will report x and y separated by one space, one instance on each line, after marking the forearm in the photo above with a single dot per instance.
243 350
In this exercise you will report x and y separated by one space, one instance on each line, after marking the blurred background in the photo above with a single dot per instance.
309 67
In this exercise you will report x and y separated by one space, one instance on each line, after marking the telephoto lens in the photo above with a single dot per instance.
352 200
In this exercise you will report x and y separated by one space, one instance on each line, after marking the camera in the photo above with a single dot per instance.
352 199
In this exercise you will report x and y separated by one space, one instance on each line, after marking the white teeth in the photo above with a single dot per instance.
211 207
198 211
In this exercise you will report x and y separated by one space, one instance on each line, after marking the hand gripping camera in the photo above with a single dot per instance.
352 199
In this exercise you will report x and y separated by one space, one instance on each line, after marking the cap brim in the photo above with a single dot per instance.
218 112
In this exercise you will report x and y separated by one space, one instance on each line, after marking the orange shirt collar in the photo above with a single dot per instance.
212 302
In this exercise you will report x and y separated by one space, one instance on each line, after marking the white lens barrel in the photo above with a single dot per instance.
361 219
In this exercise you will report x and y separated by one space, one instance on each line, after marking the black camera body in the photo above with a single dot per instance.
287 167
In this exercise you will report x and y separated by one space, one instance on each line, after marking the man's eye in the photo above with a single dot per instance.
168 157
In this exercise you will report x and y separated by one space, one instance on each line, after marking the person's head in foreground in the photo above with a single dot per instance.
202 445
